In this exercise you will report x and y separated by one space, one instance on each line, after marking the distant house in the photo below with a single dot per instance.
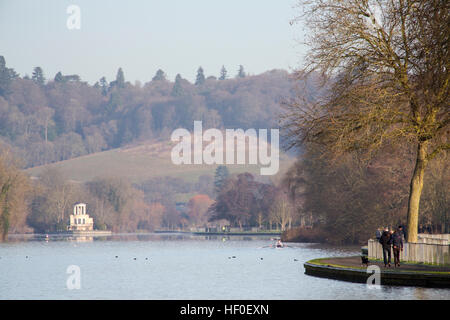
80 220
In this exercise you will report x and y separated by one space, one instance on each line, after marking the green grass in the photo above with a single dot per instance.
416 263
141 162
320 263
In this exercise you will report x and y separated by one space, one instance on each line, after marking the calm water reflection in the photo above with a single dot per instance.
168 266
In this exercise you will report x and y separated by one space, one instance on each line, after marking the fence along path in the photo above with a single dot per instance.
433 249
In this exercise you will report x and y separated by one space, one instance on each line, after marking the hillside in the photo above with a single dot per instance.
141 162
65 118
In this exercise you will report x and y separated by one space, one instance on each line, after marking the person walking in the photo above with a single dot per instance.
404 233
397 245
378 233
386 242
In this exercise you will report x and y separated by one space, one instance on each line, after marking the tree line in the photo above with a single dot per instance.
46 120
242 201
345 200
43 204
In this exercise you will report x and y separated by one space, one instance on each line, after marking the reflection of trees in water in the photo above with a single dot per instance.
133 237
81 239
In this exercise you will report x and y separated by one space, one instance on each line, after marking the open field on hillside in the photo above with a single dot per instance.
141 162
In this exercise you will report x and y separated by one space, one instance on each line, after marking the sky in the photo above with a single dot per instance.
142 36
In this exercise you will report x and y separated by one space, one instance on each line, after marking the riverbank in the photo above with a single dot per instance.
242 233
62 234
308 235
85 233
100 234
408 274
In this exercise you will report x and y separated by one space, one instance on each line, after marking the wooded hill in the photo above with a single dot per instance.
47 118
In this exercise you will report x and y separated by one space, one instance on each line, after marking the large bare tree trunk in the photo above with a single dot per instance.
416 187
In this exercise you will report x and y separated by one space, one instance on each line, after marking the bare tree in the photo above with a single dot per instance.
281 212
59 194
436 208
386 65
13 188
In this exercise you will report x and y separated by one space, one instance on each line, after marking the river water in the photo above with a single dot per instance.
155 266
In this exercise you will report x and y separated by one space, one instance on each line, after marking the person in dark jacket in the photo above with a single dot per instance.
386 242
378 233
404 233
397 245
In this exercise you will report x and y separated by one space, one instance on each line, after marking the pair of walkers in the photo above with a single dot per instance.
394 240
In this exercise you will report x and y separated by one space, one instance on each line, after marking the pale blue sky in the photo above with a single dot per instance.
142 36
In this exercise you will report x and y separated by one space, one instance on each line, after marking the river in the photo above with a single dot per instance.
155 266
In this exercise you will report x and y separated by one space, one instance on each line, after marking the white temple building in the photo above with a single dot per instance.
80 220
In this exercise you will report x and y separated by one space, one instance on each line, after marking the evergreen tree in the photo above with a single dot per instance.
114 103
177 89
59 77
120 79
38 76
200 77
12 73
104 86
241 72
223 73
5 77
220 177
2 63
159 76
